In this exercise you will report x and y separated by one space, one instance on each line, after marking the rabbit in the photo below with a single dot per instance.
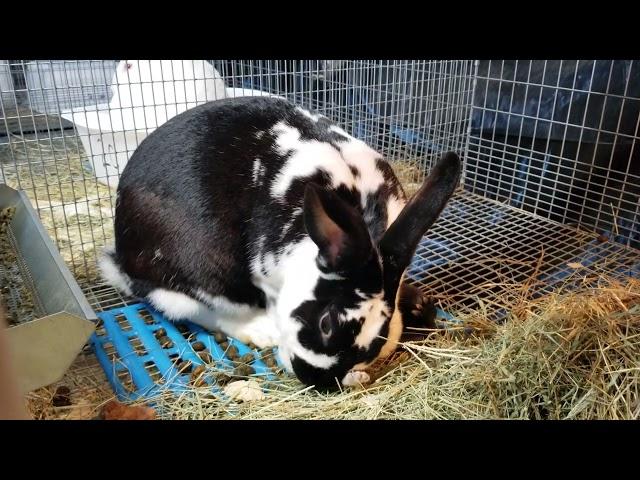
156 90
267 222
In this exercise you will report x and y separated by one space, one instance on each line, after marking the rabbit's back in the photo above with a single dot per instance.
213 198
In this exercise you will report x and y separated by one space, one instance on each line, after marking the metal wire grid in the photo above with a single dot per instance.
409 110
44 155
482 254
56 85
558 138
375 100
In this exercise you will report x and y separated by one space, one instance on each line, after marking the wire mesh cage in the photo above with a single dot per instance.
551 182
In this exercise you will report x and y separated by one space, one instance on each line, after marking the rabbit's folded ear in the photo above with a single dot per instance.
401 239
336 228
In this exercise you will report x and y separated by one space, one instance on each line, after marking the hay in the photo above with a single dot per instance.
74 207
89 392
16 294
410 174
566 356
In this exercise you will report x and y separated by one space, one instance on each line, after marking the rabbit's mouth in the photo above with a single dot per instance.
322 379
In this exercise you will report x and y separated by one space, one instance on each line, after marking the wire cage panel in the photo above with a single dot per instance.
550 154
67 157
558 138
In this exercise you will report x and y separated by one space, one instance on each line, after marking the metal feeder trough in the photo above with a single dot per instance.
42 349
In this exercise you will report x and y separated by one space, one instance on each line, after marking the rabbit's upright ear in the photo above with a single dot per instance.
337 229
401 239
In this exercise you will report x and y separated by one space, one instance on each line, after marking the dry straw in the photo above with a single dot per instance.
565 356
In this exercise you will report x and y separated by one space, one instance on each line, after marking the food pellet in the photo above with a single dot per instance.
246 358
184 367
199 382
165 342
220 337
198 346
243 371
61 397
161 332
205 357
222 379
232 352
198 371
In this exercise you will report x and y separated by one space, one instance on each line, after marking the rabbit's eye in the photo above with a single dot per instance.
129 65
325 325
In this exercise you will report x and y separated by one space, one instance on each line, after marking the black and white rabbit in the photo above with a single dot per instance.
257 218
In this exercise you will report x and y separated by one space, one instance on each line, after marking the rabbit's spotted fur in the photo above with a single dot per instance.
265 221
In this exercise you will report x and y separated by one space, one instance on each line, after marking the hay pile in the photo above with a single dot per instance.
74 207
16 295
409 173
567 356
88 392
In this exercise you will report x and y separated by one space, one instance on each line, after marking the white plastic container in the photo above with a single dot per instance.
110 134
107 148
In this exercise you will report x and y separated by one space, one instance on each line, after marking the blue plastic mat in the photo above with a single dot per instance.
137 365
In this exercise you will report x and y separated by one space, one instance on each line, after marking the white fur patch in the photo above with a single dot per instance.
338 130
331 276
394 207
308 157
223 306
242 322
359 155
269 282
318 360
176 305
375 313
260 329
308 114
301 275
289 224
355 377
112 273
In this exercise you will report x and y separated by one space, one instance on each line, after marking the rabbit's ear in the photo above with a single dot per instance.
336 228
401 239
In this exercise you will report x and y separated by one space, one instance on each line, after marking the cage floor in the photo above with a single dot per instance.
481 253
142 354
